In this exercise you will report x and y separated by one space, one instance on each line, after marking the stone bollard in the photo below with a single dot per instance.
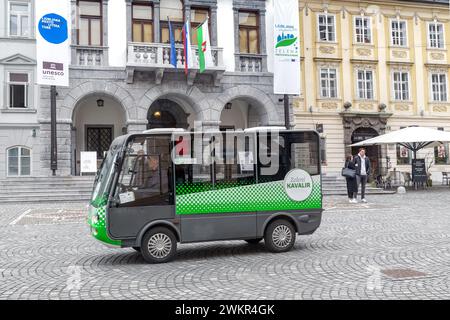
401 190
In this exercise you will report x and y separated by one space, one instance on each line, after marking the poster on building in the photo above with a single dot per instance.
53 42
286 67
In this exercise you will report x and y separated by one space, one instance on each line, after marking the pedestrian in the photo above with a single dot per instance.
362 166
352 188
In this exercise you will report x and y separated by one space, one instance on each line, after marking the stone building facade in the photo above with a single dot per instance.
120 84
371 67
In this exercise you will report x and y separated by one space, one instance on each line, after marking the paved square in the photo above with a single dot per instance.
394 247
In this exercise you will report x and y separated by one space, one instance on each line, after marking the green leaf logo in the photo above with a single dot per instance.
286 42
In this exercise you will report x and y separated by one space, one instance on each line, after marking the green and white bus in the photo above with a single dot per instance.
168 186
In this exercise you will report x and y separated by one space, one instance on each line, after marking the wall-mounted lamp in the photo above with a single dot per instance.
100 103
228 106
33 133
157 114
311 109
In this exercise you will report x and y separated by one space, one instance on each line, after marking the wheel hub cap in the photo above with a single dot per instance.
159 245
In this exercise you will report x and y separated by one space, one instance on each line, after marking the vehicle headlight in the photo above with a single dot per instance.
94 218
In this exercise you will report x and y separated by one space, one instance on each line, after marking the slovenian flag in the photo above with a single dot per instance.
173 52
205 59
188 56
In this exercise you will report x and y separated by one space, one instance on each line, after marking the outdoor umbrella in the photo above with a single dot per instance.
412 138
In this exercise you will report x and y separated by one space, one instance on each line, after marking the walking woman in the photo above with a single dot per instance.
352 187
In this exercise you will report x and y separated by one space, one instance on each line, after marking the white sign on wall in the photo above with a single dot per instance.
88 162
286 67
53 42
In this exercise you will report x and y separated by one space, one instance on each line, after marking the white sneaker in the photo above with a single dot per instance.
364 200
354 201
350 200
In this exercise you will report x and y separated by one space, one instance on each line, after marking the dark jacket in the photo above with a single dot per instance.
357 161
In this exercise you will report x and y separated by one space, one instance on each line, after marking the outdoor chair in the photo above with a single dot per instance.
445 178
407 177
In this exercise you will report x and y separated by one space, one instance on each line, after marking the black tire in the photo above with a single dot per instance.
276 229
253 241
138 249
159 245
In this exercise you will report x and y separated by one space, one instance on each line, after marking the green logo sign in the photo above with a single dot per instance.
285 40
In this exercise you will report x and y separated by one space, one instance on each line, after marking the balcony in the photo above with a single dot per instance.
156 57
89 56
251 63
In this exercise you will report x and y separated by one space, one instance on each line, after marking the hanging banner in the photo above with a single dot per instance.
286 67
53 42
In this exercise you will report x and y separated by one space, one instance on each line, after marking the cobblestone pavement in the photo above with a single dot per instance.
394 247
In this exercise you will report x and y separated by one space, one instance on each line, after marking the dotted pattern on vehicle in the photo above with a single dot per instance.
269 196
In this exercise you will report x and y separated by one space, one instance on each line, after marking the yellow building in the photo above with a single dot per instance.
370 67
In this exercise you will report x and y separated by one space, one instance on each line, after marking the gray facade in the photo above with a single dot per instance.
147 80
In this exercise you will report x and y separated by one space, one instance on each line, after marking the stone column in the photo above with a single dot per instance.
73 9
64 136
156 25
236 39
213 25
105 31
262 39
129 22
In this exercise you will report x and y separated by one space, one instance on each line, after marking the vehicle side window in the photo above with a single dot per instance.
234 160
146 173
192 165
304 152
273 161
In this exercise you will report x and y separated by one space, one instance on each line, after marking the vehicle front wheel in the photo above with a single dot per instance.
280 236
159 245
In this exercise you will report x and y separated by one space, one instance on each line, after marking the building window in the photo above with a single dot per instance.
171 10
327 28
398 33
19 161
90 23
99 139
401 85
365 84
248 32
198 16
436 35
363 30
19 19
328 83
18 84
142 22
439 87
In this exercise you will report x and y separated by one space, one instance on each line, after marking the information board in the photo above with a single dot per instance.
419 171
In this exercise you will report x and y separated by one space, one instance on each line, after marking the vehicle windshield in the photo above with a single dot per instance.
103 179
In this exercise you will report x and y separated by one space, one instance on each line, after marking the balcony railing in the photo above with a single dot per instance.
250 62
157 55
89 56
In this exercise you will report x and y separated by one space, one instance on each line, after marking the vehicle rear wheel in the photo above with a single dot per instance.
253 241
280 236
159 245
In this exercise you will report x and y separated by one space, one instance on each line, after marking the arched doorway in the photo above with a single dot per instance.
373 152
96 121
166 113
242 114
